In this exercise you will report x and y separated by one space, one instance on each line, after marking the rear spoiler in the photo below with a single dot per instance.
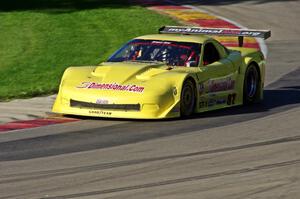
240 33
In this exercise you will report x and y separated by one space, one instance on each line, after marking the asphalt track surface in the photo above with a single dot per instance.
242 152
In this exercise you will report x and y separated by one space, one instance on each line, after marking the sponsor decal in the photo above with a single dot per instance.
231 99
100 112
201 88
220 85
161 42
220 101
216 31
101 101
112 86
203 104
193 30
212 102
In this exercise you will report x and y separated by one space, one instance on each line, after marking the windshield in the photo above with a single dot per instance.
170 52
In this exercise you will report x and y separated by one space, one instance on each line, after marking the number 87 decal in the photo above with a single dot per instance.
231 99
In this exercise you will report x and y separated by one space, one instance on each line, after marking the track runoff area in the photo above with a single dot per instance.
186 14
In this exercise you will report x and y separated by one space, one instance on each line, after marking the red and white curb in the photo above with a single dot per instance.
18 125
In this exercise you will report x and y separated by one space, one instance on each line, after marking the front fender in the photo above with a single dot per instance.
173 82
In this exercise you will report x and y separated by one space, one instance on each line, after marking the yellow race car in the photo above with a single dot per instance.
178 72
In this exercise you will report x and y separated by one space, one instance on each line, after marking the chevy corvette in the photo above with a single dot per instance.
178 72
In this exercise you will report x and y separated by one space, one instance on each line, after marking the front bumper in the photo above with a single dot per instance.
140 110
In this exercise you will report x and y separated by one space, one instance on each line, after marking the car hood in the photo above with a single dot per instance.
124 72
122 78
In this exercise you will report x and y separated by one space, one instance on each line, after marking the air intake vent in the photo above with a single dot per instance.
122 107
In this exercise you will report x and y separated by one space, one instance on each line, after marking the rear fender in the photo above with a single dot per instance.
258 60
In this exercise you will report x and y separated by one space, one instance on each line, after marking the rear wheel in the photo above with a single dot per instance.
251 85
187 99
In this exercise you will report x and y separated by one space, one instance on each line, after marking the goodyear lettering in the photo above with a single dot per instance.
100 112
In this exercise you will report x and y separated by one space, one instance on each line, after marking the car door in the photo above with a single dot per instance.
217 77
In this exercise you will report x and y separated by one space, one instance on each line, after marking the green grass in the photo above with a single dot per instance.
38 41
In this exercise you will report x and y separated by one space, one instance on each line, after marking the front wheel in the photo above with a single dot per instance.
187 99
251 85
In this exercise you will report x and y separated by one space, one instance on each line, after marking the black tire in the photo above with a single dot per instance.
251 85
187 99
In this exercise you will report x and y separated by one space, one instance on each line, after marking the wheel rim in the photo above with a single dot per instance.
252 83
187 96
187 99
